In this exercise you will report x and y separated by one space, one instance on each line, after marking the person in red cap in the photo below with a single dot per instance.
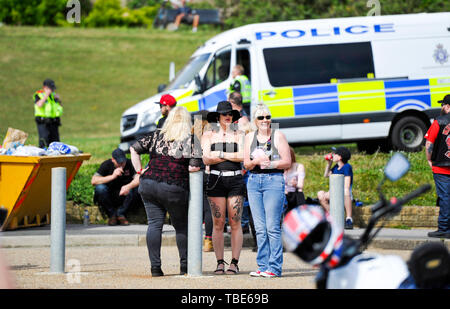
166 103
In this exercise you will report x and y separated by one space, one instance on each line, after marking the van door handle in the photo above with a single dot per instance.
271 93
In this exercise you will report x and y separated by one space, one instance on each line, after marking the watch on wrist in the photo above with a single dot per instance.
221 155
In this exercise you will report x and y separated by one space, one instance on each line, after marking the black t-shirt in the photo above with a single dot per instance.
107 168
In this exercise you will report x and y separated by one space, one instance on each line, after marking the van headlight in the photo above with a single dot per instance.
149 118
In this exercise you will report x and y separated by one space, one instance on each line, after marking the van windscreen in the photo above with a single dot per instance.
186 75
316 64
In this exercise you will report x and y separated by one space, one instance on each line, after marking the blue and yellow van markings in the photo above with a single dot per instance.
316 100
212 99
356 97
402 93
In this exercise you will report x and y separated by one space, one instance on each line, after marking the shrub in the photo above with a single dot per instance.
242 12
81 191
32 12
109 13
136 4
38 12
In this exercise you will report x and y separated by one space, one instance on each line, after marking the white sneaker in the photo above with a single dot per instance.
268 274
255 273
194 30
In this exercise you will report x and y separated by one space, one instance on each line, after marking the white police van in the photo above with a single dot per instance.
373 80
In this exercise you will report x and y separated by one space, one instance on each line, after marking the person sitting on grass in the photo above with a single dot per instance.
340 156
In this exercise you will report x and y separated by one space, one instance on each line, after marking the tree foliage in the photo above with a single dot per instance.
106 13
242 12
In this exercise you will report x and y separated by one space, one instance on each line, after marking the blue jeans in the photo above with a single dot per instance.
245 220
266 198
111 202
442 183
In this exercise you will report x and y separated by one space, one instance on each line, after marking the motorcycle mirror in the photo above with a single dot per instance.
397 166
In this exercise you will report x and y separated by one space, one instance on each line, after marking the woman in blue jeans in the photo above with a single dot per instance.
266 156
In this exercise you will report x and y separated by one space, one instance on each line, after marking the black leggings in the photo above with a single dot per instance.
160 198
207 217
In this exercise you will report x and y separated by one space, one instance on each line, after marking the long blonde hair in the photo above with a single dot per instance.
178 124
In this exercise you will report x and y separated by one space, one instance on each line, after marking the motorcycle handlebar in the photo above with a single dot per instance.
412 195
384 207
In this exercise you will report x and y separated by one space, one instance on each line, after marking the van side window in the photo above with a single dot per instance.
243 58
316 64
219 69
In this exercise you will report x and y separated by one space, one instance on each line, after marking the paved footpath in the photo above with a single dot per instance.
104 257
134 235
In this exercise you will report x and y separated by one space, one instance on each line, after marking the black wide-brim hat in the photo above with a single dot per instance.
222 108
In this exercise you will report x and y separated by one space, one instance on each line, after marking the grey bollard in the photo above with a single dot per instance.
195 223
58 220
337 210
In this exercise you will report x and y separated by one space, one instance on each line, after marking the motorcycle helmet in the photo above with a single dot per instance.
309 232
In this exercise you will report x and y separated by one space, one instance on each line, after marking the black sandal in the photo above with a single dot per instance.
220 271
233 271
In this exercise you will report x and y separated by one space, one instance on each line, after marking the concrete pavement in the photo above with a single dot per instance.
134 235
116 257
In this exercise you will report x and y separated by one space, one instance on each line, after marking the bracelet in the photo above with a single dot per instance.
140 171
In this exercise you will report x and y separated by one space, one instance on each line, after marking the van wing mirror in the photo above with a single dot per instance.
199 83
161 88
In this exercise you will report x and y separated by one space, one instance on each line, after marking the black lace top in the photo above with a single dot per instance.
169 161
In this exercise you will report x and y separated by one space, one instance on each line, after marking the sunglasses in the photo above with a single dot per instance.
268 117
227 114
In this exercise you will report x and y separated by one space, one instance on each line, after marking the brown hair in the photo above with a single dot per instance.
293 159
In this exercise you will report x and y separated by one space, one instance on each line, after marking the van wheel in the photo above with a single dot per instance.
408 134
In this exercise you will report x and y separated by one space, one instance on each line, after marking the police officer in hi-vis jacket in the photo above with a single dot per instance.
47 113
241 84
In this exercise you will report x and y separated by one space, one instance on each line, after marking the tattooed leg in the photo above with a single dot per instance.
215 209
235 207
237 203
218 206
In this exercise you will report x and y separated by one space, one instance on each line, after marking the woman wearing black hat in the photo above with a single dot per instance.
223 152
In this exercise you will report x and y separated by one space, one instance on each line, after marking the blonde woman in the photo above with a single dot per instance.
266 156
202 125
164 185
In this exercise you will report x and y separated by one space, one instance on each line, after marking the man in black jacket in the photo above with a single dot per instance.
111 193
438 156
